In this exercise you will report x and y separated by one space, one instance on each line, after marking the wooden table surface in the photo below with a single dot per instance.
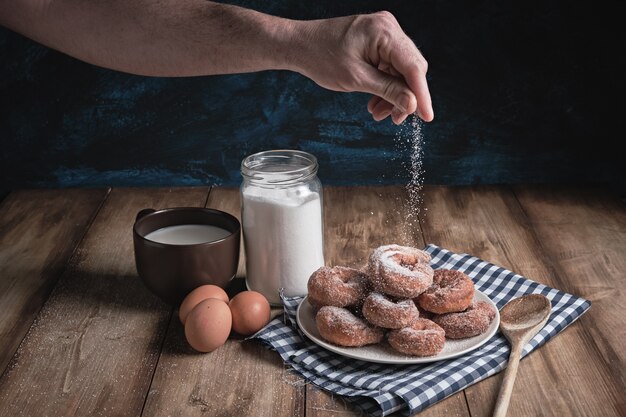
81 335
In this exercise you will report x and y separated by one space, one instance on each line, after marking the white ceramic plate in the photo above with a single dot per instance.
383 353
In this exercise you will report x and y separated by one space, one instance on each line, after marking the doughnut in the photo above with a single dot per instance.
421 338
338 286
425 314
339 326
382 312
471 322
450 292
400 271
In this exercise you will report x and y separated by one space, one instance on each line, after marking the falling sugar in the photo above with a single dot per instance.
409 139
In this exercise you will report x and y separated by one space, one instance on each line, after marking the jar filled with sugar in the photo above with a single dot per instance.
281 214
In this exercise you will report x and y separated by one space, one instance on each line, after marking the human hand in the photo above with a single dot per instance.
372 54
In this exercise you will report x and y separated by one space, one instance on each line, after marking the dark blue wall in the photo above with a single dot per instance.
522 93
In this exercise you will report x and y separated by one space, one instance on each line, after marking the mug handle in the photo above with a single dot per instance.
143 213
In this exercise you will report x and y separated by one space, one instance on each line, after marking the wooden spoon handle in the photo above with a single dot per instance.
504 396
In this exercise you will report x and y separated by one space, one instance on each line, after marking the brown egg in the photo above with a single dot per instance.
251 311
199 294
208 325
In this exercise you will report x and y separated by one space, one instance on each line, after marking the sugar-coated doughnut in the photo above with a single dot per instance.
383 312
339 326
471 322
451 291
421 338
400 271
338 286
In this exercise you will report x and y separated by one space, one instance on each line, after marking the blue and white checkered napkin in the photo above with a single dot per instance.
381 389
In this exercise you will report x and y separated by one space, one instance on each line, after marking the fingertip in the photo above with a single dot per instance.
380 116
426 115
371 104
418 84
400 120
398 116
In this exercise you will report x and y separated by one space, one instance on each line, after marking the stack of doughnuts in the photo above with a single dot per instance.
397 296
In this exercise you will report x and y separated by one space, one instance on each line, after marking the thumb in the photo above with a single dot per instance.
390 88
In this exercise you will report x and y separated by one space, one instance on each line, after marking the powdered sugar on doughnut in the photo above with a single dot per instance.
383 312
422 338
420 255
339 326
451 291
338 286
400 271
402 263
471 322
386 302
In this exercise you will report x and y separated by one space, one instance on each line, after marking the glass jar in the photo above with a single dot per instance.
281 213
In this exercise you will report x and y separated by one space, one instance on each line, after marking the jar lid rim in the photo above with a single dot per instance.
280 166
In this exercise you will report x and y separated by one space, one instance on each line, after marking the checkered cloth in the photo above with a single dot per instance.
381 389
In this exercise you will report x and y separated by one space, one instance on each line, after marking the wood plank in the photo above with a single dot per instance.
39 230
94 345
583 232
559 378
320 403
240 378
356 220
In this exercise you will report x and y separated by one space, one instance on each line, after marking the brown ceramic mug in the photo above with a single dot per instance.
171 269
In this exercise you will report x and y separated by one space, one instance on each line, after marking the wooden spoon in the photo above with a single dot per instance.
520 320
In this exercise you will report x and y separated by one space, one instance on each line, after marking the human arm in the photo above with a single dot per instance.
367 53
